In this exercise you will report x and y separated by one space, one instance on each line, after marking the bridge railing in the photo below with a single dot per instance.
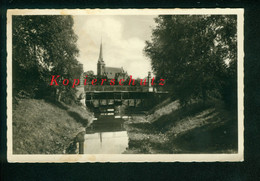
109 88
118 88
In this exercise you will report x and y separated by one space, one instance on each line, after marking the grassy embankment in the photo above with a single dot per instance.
198 128
41 127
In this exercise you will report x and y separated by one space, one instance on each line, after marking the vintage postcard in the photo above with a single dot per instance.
125 85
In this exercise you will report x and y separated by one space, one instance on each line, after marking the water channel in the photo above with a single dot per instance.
107 135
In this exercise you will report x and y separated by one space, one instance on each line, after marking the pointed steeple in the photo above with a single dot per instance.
100 59
101 64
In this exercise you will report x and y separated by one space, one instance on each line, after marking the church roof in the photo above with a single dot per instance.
112 71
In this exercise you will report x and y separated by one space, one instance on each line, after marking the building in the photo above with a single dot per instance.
109 72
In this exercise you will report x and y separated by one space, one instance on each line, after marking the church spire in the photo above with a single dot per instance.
101 63
100 59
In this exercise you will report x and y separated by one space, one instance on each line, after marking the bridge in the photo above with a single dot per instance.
102 99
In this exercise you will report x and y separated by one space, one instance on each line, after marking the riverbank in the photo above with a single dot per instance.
199 128
42 127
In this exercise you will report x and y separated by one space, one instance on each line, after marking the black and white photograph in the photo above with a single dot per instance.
132 85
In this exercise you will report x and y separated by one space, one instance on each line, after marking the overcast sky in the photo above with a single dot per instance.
123 40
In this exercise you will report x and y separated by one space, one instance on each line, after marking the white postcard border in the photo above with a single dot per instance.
129 157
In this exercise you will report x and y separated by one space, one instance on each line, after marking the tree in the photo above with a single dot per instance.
196 54
44 46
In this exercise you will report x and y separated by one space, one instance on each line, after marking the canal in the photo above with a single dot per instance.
107 133
119 126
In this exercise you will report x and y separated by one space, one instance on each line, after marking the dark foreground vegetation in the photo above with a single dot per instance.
45 118
44 46
197 55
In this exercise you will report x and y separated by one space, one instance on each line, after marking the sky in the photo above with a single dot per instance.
123 39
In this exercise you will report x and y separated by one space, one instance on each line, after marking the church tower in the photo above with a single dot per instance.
101 63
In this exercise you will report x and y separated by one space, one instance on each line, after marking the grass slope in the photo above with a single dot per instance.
198 128
41 127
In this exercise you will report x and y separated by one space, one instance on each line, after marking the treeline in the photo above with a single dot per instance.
43 46
197 55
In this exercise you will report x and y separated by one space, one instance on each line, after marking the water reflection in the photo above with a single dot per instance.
106 136
106 142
